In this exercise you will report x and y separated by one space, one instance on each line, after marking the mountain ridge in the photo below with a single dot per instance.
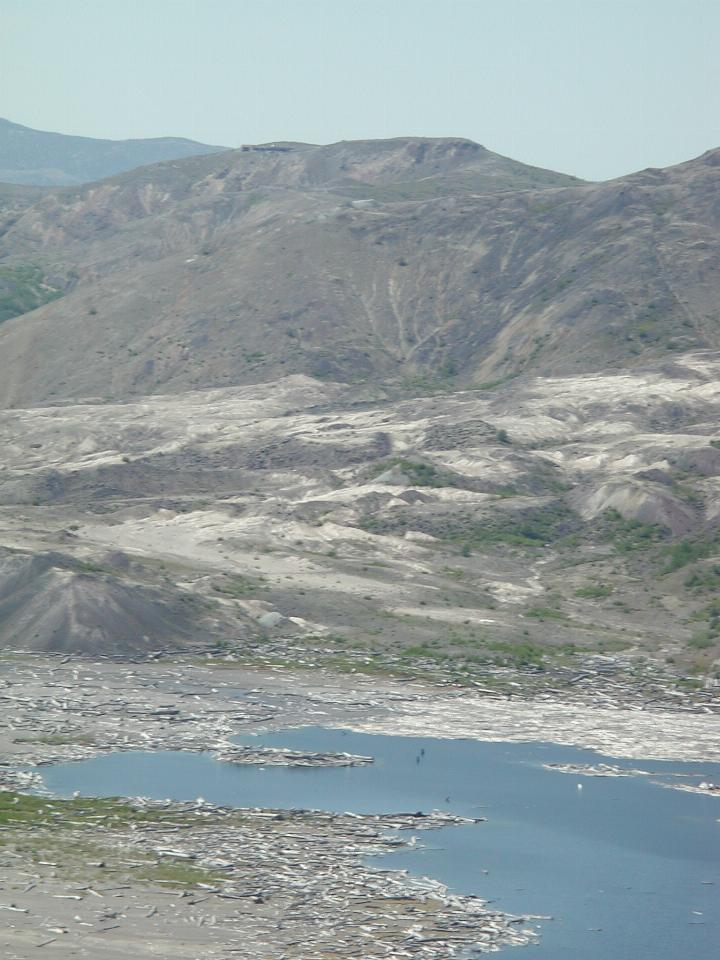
352 262
46 158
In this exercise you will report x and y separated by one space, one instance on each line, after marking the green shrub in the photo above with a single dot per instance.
419 474
703 640
544 613
24 288
688 551
630 535
707 578
594 591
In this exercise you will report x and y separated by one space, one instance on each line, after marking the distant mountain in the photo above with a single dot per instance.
53 159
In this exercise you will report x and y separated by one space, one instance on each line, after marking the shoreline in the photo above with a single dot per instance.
54 710
57 710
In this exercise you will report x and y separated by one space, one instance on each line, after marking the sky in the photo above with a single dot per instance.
595 88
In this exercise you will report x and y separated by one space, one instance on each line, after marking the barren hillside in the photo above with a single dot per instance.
353 261
536 526
387 262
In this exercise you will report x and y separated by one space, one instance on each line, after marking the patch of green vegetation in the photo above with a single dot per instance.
544 613
630 535
710 614
373 668
594 591
238 587
518 654
612 645
703 640
418 473
554 485
656 325
42 828
703 579
16 808
687 494
89 566
422 386
477 651
506 492
425 651
69 854
179 873
689 550
553 290
661 207
527 653
24 288
58 739
19 809
448 369
533 529
494 384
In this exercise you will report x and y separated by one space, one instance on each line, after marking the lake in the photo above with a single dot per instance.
628 869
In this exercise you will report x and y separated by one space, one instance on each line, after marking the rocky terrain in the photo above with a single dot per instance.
565 528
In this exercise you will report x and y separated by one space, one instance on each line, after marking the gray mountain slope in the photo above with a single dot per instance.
50 602
260 263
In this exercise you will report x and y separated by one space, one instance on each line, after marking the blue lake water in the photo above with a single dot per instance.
628 869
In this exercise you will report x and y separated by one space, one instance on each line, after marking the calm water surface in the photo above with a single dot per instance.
628 869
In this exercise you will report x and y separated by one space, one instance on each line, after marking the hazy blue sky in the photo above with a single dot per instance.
597 88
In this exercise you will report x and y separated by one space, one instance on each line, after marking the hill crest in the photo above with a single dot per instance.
45 158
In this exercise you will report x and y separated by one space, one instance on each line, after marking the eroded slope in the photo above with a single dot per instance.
536 524
255 264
